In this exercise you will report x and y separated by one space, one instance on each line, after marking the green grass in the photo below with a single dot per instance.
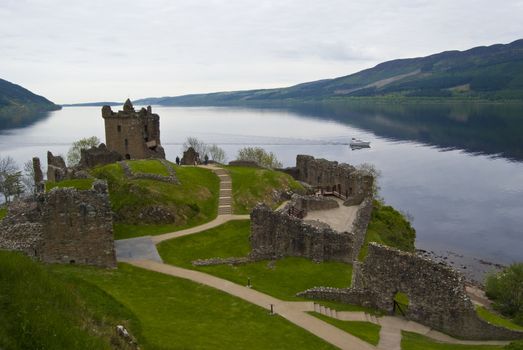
497 319
3 212
389 227
42 310
193 202
366 331
414 341
148 167
79 184
178 314
282 278
253 185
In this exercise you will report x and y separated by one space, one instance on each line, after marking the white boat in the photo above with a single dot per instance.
357 143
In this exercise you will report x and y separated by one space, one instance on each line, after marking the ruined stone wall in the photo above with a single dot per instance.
190 157
56 168
311 203
134 135
276 234
89 158
353 184
436 293
64 225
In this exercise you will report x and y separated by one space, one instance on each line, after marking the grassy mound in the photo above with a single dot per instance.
193 202
253 185
496 319
389 227
3 212
414 341
282 278
178 314
148 167
79 184
366 331
42 310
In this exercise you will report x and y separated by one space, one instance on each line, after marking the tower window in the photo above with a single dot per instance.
119 128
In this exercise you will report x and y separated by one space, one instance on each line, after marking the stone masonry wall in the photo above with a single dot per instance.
89 158
276 234
64 225
312 203
353 184
436 293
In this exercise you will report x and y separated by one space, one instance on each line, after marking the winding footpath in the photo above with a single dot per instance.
142 252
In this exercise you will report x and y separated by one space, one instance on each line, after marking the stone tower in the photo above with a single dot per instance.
135 135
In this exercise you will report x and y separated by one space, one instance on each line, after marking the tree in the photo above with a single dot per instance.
198 145
260 156
10 178
217 154
28 179
506 289
74 153
376 173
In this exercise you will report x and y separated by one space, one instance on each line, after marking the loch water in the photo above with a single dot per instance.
456 170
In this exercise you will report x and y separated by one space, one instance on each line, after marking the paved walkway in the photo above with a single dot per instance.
137 248
142 252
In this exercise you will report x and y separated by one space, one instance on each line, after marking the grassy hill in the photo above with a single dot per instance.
494 72
42 310
19 106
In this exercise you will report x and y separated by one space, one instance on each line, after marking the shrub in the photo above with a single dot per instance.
506 289
260 156
73 155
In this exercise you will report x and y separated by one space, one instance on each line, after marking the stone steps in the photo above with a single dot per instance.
225 199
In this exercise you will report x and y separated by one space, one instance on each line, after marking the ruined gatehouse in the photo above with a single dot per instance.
436 293
133 134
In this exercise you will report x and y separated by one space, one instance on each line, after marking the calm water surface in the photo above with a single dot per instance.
460 180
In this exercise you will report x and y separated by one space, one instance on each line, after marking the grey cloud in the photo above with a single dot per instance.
186 46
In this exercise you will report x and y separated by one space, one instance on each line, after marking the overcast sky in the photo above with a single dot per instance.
79 51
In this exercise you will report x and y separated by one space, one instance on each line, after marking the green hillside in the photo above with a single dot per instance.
494 73
19 106
40 309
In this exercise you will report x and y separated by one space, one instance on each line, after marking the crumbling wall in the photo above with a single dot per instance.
56 168
89 158
134 135
350 183
190 157
276 234
436 293
64 225
311 203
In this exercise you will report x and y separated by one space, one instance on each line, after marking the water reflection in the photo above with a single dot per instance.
476 128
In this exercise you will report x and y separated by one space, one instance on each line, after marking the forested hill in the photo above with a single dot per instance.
494 72
15 99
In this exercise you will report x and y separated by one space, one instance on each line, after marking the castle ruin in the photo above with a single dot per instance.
436 293
295 230
134 135
64 225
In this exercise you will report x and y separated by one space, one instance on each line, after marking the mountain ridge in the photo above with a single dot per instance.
485 72
15 99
